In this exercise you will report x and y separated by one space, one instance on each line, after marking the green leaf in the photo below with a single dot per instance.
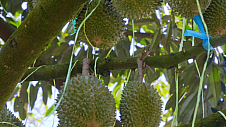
174 31
155 38
22 112
33 95
215 85
62 47
117 95
142 41
46 88
189 99
49 110
16 104
24 94
106 79
189 71
171 102
115 73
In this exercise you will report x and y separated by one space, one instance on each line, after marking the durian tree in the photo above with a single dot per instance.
47 39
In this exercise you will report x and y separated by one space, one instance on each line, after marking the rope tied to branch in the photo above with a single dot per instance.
206 45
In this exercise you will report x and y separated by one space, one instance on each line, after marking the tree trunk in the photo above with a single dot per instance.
31 38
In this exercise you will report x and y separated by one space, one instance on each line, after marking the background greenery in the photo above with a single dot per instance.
160 31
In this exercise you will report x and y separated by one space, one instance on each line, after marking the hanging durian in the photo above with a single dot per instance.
7 116
103 28
140 105
215 17
135 9
86 103
188 8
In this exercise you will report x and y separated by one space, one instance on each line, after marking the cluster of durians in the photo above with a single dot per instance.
106 26
87 102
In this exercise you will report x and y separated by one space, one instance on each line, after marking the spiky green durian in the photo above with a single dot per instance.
135 9
7 116
188 8
86 103
140 105
215 17
103 28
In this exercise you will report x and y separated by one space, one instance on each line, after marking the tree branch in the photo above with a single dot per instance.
213 120
104 65
31 38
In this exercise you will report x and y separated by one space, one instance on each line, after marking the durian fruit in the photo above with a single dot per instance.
140 105
215 18
7 116
103 28
188 8
86 103
135 9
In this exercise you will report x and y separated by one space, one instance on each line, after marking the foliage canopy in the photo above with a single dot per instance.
34 41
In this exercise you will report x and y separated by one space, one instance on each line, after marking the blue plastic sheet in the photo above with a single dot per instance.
201 35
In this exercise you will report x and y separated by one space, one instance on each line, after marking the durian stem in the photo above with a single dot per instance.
140 62
85 67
